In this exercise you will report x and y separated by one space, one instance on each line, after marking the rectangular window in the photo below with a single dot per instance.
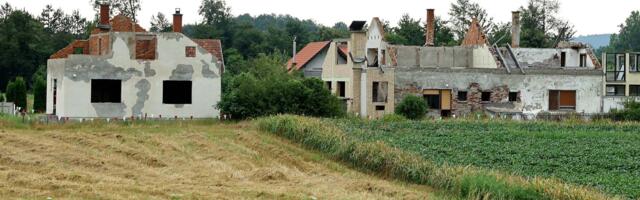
106 91
562 100
379 92
342 53
176 92
78 50
462 96
372 57
384 58
563 59
583 60
342 89
190 52
145 48
513 96
634 90
616 90
633 63
380 108
329 86
432 101
486 96
615 68
99 46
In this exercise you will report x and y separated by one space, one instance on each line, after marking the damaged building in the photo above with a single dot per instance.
473 77
123 71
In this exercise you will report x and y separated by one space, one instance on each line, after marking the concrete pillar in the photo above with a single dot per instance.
177 21
515 29
363 92
430 31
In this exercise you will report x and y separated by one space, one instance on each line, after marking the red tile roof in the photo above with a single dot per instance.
308 53
212 46
344 49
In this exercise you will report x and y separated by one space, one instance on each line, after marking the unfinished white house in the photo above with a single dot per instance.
123 71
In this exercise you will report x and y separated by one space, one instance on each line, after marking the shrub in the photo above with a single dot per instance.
631 112
39 95
412 107
17 92
2 97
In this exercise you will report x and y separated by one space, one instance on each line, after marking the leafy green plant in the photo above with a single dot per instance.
412 107
17 92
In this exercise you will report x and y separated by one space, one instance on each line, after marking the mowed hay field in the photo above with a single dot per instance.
175 160
601 155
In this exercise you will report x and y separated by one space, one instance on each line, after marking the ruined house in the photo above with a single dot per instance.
123 71
473 77
479 77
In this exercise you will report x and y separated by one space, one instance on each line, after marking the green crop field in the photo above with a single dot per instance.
603 156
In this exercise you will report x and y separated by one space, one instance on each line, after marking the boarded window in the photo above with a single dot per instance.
342 89
616 90
462 96
379 93
486 96
106 91
634 90
176 92
562 100
190 52
513 96
145 48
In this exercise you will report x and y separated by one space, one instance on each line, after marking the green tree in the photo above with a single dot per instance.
462 12
17 92
159 23
412 107
444 34
627 40
540 26
501 34
40 95
2 99
411 30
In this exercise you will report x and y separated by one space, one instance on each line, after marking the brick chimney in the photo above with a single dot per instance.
431 28
515 29
177 21
104 15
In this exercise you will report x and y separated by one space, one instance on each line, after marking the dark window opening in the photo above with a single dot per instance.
380 108
342 52
462 95
384 57
190 52
106 91
562 100
176 92
583 60
486 96
513 96
78 50
372 57
615 64
616 90
329 86
99 46
633 63
563 59
342 90
634 90
379 92
433 101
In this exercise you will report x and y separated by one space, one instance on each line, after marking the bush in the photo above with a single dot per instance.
17 92
2 99
631 112
412 107
268 89
40 94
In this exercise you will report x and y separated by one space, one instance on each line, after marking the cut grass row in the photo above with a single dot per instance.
379 158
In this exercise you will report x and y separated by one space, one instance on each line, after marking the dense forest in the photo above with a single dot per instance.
28 39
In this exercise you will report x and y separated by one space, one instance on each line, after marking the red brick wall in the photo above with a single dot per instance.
146 49
70 49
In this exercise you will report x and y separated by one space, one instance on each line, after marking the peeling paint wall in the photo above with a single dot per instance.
533 87
142 80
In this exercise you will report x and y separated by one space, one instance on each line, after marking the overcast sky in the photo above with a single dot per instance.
589 16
